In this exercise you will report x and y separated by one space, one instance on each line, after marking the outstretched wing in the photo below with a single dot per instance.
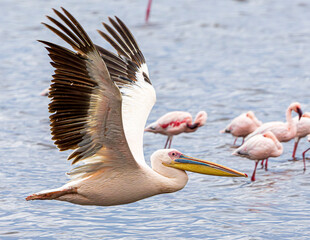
129 71
85 98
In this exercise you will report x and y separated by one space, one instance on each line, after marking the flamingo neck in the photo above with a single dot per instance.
278 144
290 123
257 122
251 115
201 118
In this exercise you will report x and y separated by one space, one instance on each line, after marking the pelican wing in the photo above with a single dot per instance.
129 71
86 100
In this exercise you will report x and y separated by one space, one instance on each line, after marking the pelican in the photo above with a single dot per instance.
100 102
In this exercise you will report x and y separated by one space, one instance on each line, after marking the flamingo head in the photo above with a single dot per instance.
201 118
175 159
270 135
296 108
250 114
153 127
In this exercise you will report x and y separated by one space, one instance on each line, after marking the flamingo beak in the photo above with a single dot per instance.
149 129
205 167
299 111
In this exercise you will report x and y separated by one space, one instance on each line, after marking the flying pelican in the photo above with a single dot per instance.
174 123
260 147
100 102
242 125
284 131
303 129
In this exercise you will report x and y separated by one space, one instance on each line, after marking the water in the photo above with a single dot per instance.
225 57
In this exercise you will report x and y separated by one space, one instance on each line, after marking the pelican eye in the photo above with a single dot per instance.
174 155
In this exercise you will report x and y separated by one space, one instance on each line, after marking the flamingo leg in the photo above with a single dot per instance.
242 140
262 163
170 141
167 142
266 164
253 174
148 10
295 148
304 158
235 141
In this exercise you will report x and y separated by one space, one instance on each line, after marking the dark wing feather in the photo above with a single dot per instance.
85 102
125 67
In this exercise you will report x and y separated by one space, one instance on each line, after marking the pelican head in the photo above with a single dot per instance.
175 159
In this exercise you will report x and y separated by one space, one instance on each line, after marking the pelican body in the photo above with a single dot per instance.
100 102
242 125
260 147
284 131
174 123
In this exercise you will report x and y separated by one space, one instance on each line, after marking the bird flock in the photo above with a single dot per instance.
262 141
259 141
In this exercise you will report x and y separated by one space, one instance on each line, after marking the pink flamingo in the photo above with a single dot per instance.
304 153
148 11
303 129
174 123
260 147
44 92
284 131
242 125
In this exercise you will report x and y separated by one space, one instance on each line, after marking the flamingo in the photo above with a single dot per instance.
304 154
260 147
303 129
44 92
99 104
148 11
283 131
242 125
174 123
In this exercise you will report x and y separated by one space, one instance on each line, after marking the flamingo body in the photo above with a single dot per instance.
260 147
284 131
303 129
303 125
174 123
242 125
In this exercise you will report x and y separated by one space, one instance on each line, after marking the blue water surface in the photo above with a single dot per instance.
225 57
